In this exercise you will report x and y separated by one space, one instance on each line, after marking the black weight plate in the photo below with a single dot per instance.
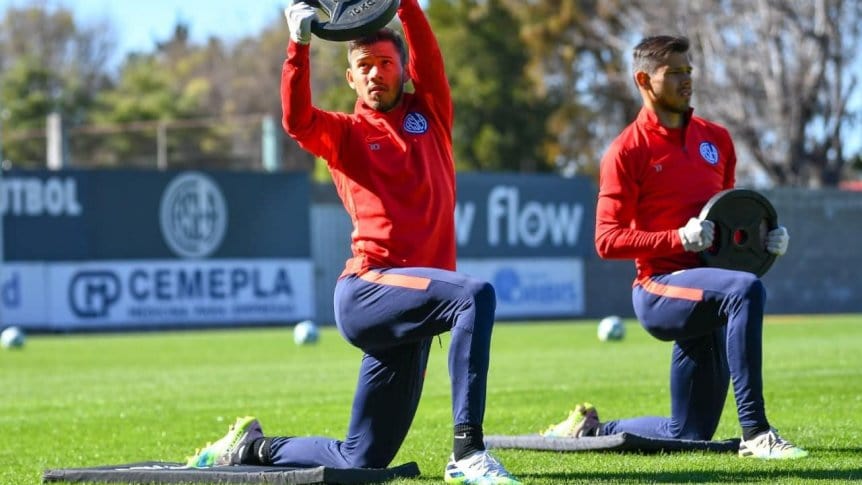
742 218
352 19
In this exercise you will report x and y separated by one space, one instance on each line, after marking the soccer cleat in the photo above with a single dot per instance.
769 446
228 450
478 468
582 421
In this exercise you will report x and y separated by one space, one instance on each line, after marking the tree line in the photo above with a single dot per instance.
538 85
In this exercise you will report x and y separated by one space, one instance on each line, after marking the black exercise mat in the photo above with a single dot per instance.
614 442
164 472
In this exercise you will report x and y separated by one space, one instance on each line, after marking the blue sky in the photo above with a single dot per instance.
140 23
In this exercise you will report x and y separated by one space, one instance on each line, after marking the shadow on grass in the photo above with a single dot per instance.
697 477
836 449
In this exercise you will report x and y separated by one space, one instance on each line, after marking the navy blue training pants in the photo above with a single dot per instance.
392 315
715 319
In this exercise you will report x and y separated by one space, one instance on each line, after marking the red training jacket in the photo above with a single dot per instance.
394 171
652 180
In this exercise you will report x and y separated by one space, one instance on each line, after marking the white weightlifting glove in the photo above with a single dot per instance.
697 234
777 240
299 16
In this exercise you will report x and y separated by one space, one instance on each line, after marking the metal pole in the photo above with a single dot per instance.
54 136
270 144
162 146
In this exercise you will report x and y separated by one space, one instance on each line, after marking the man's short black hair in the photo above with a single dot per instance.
652 52
384 34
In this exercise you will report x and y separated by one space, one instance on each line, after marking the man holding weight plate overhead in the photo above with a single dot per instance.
654 179
392 165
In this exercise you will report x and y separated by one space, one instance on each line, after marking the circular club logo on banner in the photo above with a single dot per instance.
193 215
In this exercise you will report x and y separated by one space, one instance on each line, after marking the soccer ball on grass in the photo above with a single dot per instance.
611 328
12 338
305 333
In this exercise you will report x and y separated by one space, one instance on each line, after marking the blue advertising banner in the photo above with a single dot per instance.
116 249
528 235
123 214
524 215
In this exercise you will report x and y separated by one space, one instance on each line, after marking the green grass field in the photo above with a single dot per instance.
89 400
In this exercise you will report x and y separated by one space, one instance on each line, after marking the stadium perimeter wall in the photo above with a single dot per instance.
94 250
819 273
125 249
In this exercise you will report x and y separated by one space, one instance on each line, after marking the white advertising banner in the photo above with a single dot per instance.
534 287
112 294
23 291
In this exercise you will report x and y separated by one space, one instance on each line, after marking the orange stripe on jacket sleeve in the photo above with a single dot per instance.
404 281
656 288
